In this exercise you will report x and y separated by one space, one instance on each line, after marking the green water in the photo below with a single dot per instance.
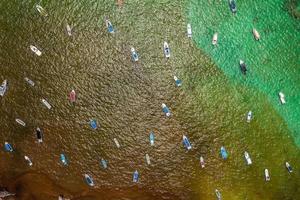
273 62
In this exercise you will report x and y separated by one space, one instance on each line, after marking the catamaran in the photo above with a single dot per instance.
189 30
28 160
186 142
167 50
3 88
247 157
166 110
134 55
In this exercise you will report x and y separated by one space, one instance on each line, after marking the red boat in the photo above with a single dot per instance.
72 96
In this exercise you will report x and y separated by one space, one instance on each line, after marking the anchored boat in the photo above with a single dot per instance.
46 103
8 147
35 50
41 10
117 142
186 142
3 88
72 96
151 137
109 26
135 177
281 97
167 50
218 194
249 116
134 55
166 110
104 163
224 153
89 180
63 159
177 81
28 160
267 176
93 124
30 82
232 6
256 34
288 167
19 121
189 30
202 163
215 39
147 159
243 67
39 135
247 157
69 30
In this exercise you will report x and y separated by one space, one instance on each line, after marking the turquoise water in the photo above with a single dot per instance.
273 62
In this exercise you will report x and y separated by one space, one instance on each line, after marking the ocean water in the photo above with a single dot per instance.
125 98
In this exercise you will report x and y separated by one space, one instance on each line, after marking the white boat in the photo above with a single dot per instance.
167 50
288 167
3 88
148 159
186 142
218 194
28 160
247 157
256 34
202 163
30 82
89 180
117 142
69 30
267 176
46 103
189 30
19 121
281 97
215 39
249 116
35 50
166 110
41 10
134 55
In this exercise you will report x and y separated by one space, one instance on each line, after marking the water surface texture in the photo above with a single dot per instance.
125 99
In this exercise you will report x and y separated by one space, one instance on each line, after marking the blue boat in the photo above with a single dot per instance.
134 55
151 137
135 177
89 180
224 153
186 143
93 124
166 110
8 147
104 163
109 26
63 159
232 6
177 81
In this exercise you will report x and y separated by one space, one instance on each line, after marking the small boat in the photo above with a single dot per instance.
177 81
232 6
104 163
218 194
151 137
249 116
288 167
135 177
189 30
93 124
186 142
247 157
35 50
281 98
256 34
30 82
167 50
215 39
28 160
147 159
46 103
41 10
109 26
69 30
202 163
63 159
117 142
267 176
19 121
166 110
243 67
39 135
89 180
72 96
134 55
224 153
8 147
3 88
